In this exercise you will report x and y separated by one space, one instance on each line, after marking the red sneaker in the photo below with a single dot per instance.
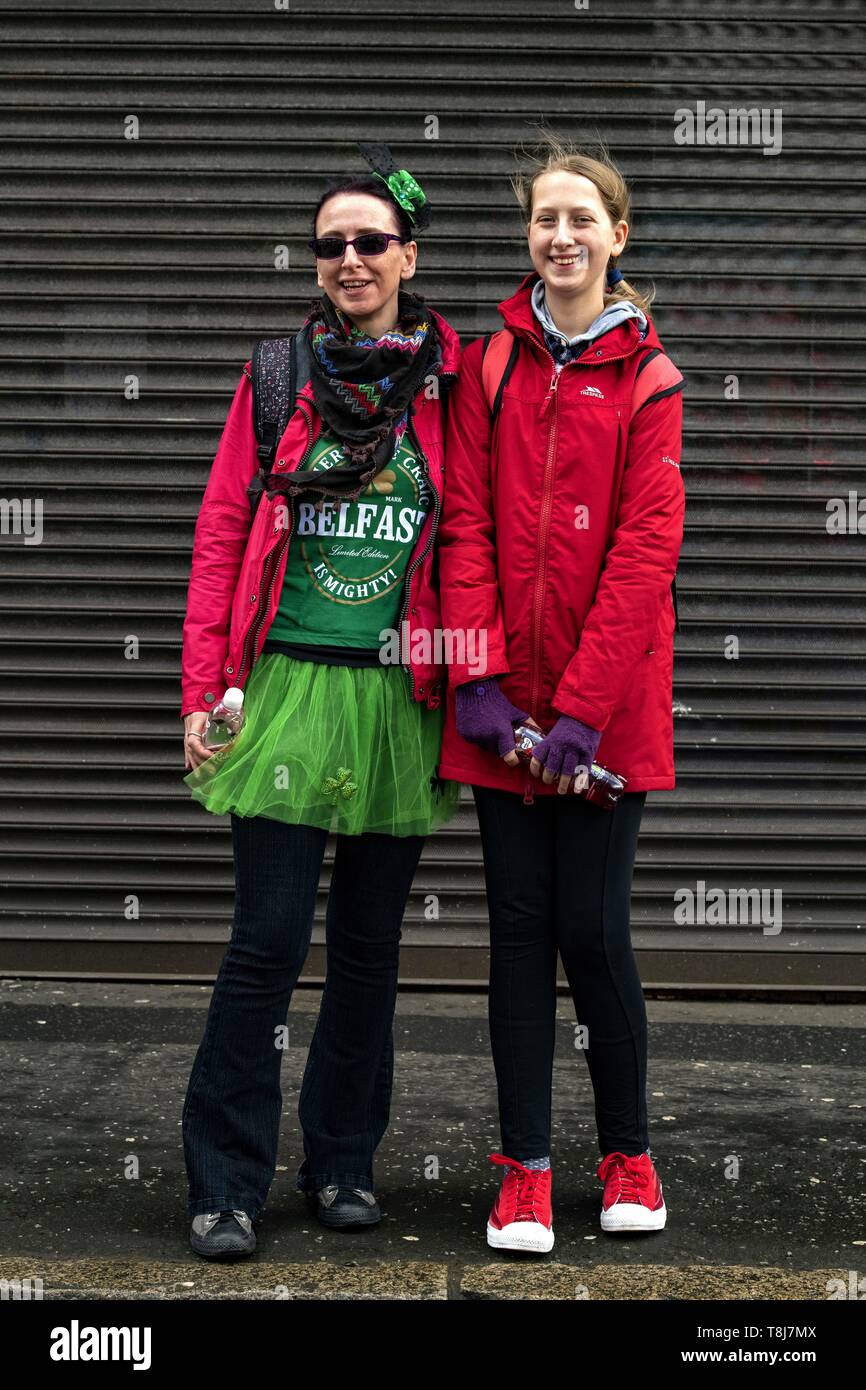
632 1198
521 1217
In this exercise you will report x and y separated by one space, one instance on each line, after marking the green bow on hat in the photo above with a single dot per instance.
405 190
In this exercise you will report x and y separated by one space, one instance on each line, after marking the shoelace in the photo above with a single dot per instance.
228 1215
527 1181
629 1174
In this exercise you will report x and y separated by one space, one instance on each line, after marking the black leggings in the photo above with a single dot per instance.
558 875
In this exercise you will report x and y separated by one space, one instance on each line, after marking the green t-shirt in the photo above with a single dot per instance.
345 566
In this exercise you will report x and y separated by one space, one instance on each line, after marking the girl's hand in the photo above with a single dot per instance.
568 747
487 717
193 749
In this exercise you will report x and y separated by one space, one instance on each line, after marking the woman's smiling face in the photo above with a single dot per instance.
570 233
362 286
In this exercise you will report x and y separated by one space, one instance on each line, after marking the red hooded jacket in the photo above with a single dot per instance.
560 535
237 568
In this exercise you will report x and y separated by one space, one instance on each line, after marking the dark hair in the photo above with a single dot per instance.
366 183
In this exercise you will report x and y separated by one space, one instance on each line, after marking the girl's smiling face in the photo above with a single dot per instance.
570 234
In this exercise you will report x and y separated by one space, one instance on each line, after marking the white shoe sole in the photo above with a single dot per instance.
521 1235
623 1217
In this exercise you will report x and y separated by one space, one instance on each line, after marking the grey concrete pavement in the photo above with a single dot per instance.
756 1124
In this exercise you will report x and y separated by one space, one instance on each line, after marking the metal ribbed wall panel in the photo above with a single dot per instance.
155 257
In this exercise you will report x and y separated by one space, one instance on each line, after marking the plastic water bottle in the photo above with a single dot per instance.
225 719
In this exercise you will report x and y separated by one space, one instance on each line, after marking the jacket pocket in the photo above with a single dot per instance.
664 627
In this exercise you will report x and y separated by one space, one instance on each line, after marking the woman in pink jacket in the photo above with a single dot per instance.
314 608
562 527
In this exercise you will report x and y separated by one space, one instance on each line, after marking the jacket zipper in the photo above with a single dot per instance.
273 562
541 572
418 559
541 567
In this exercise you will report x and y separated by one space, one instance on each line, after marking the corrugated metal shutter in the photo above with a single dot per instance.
154 257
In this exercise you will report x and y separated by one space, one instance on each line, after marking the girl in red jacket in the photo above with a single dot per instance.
560 535
342 734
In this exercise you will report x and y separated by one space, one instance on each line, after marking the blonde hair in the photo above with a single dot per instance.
553 154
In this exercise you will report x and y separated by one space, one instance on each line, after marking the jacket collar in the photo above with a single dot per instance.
620 341
450 343
614 312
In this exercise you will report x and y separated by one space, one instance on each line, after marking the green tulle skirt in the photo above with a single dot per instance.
345 748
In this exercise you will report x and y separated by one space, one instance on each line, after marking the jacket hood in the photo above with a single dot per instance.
622 324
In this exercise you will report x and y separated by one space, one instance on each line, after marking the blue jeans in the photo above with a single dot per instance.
231 1115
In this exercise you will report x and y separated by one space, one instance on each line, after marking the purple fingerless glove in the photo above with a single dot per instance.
569 745
486 716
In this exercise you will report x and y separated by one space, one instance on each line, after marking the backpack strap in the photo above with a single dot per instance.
656 377
273 388
303 358
499 354
280 369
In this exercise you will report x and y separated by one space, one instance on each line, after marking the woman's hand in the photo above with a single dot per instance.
193 748
487 717
569 745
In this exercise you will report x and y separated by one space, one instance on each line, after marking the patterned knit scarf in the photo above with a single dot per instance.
362 387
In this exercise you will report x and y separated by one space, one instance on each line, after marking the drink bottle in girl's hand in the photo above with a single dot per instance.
603 786
225 719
